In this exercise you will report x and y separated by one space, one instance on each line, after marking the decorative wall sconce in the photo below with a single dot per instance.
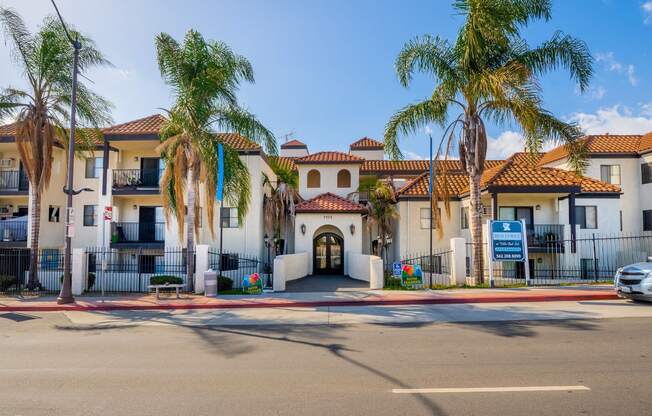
135 158
134 206
538 207
352 228
303 229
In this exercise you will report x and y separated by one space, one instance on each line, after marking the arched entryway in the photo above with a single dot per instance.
328 254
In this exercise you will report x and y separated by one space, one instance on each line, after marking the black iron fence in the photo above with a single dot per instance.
15 271
435 268
587 259
236 266
130 270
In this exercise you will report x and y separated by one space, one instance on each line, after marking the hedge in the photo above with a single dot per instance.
165 280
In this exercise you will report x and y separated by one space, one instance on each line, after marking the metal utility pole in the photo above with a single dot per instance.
65 295
432 211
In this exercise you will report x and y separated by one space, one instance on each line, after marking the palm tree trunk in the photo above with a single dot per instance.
35 218
190 231
475 212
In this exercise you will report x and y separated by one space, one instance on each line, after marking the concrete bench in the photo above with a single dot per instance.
166 286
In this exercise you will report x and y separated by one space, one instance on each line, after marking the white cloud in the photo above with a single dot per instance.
508 143
647 11
616 120
413 156
610 63
597 93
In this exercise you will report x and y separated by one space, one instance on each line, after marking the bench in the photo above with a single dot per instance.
166 286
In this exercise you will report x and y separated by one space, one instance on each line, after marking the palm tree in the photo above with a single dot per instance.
204 77
381 209
279 205
45 59
488 73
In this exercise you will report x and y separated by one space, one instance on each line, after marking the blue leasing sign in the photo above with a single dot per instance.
507 241
397 269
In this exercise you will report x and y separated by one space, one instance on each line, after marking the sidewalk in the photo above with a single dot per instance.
312 299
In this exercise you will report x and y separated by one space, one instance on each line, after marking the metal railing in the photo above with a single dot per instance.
136 178
13 180
137 232
236 266
544 235
15 268
13 231
436 266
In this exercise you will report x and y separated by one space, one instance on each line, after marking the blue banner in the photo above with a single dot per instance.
507 241
220 172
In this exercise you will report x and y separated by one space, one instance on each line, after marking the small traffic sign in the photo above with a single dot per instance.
108 213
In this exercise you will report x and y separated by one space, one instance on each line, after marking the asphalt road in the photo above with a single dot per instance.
50 365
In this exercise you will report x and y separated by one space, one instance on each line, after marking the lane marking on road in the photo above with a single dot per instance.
491 389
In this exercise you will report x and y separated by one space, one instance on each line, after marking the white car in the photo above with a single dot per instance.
635 281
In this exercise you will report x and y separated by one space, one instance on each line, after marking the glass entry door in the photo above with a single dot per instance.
328 249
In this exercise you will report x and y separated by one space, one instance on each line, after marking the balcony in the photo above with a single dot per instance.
545 238
136 181
13 182
137 234
13 232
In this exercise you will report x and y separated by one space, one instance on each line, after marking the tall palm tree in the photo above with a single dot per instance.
488 73
204 77
381 209
279 205
41 110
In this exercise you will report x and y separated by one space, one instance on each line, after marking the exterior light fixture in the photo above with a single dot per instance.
135 206
303 229
352 228
538 207
135 158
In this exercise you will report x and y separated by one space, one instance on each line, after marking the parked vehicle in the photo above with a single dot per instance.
635 281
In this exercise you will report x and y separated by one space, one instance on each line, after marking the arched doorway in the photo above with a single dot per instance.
328 254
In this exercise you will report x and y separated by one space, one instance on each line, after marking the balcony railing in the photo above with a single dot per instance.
137 232
136 178
545 235
13 180
13 231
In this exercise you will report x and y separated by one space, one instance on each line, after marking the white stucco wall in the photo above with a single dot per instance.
289 267
328 181
369 154
365 267
412 239
294 152
315 221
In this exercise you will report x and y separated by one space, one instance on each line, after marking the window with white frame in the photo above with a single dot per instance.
229 217
610 174
425 218
586 216
464 218
94 167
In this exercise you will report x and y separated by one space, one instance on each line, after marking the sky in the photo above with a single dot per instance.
325 68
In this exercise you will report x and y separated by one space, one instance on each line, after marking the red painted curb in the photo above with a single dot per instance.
309 304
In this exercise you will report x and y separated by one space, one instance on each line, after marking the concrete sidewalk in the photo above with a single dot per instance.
313 299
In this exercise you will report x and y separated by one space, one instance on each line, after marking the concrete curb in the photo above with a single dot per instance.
314 304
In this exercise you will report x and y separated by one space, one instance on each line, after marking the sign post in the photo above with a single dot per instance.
107 215
508 242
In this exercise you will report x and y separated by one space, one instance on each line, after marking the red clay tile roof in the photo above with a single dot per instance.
146 125
413 166
329 157
293 144
524 157
511 173
238 142
329 202
625 144
8 130
284 162
366 144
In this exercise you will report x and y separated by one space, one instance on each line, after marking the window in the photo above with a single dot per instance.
229 217
586 216
53 213
647 220
610 174
425 218
314 179
464 218
94 167
343 179
90 216
646 173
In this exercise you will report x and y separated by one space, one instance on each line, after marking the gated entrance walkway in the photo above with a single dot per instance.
326 283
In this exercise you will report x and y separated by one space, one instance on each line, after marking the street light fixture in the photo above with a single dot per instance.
65 295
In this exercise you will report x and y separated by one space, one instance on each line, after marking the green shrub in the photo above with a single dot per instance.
224 284
393 283
165 280
7 281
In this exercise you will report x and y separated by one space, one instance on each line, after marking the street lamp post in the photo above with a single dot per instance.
65 295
